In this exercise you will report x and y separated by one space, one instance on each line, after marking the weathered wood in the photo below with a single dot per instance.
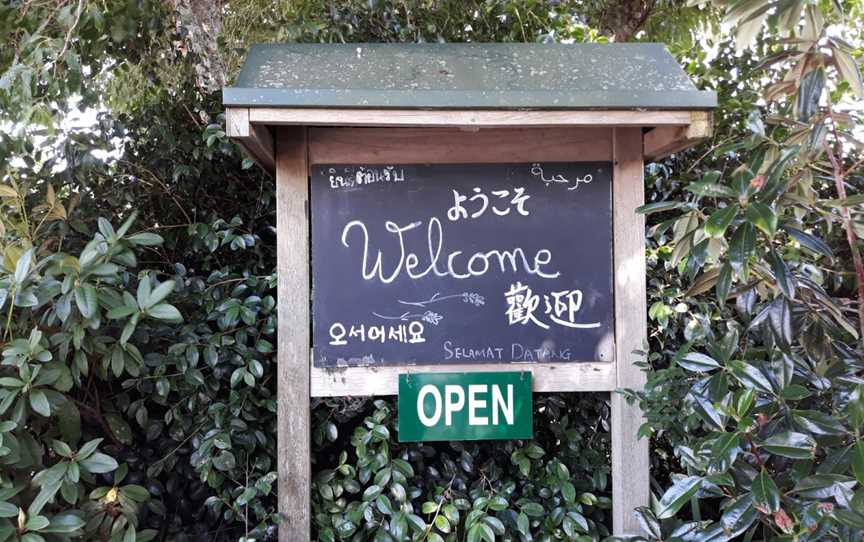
255 139
665 140
630 465
360 381
458 117
456 146
293 410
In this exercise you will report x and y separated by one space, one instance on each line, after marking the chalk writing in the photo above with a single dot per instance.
561 307
458 211
512 352
350 178
421 264
429 316
402 333
537 171
458 266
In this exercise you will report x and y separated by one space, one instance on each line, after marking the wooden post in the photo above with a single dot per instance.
630 465
293 410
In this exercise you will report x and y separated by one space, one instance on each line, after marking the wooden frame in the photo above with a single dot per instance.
577 136
453 145
294 445
669 131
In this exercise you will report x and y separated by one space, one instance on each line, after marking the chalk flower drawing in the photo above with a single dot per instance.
434 318
537 171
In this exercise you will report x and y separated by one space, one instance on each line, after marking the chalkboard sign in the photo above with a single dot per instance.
476 263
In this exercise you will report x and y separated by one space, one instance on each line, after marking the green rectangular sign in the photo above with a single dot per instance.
465 406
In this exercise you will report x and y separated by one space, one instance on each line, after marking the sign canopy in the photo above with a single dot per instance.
465 75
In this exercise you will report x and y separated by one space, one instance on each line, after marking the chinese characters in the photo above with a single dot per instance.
523 306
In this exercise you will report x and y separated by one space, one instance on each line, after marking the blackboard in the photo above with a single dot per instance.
477 263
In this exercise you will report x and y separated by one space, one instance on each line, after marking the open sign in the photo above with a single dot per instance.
465 406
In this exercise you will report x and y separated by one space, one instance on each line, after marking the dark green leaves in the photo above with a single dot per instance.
790 444
783 277
766 496
694 361
810 242
85 299
677 496
99 463
717 223
763 217
856 453
742 245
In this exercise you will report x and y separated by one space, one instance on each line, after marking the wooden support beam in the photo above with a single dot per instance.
360 381
294 447
665 140
630 465
255 139
457 146
465 118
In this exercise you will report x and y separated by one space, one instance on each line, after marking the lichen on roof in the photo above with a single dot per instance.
465 75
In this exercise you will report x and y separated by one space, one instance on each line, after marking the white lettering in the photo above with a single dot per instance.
473 265
429 421
454 401
474 404
506 407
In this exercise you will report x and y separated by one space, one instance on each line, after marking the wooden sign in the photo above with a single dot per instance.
456 264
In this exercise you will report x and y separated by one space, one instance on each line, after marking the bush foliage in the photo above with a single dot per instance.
137 291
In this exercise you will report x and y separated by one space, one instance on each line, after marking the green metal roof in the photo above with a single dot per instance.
465 75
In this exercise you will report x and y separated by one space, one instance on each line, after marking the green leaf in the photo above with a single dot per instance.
658 207
763 217
719 221
724 450
99 463
159 293
523 524
533 509
22 266
785 280
818 422
822 486
857 460
848 69
65 523
568 491
742 244
442 524
36 523
711 189
106 229
810 242
166 312
145 239
790 444
121 311
724 282
856 408
372 493
750 376
694 361
86 300
677 496
135 492
39 402
224 461
8 510
765 493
